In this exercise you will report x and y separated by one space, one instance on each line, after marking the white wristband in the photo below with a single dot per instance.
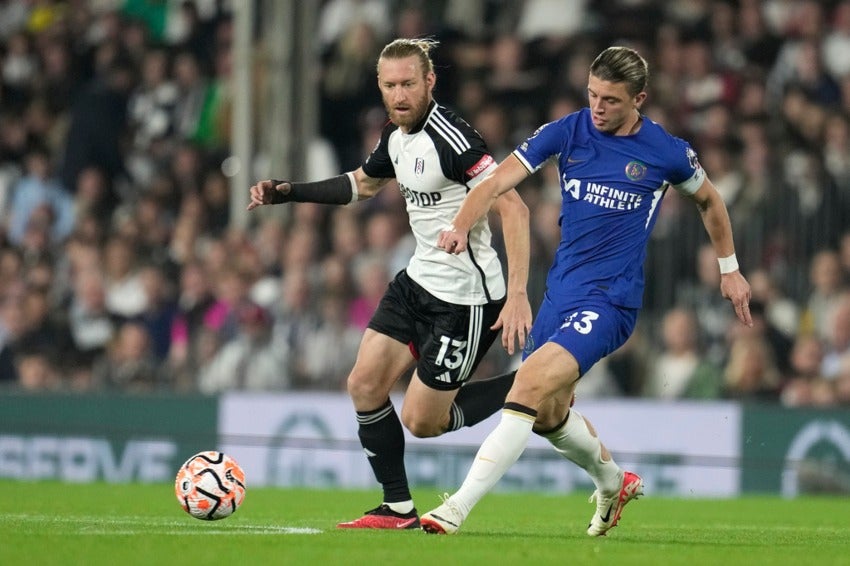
355 194
728 264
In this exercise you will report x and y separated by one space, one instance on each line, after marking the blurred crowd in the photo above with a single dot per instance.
121 270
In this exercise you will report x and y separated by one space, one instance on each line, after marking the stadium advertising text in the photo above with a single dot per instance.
102 437
80 459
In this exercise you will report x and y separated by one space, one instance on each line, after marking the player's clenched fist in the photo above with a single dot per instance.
452 241
269 191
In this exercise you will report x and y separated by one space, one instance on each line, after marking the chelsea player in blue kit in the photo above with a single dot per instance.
615 166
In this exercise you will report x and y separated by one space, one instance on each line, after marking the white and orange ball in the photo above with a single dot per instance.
210 485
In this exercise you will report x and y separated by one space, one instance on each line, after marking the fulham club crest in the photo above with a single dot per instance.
419 168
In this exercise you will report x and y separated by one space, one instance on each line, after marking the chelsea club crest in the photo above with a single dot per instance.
635 170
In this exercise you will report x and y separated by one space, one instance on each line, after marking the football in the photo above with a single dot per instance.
210 486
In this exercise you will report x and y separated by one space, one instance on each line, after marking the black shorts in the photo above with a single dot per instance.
448 340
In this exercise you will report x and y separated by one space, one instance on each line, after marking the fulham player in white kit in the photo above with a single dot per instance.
443 311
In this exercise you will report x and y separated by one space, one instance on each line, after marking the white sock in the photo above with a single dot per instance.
498 452
575 442
401 506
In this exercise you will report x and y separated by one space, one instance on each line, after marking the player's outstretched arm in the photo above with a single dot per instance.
479 200
715 217
342 189
515 317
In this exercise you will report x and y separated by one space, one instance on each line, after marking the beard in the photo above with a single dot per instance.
410 113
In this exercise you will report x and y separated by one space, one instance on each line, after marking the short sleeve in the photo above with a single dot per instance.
471 166
545 142
686 174
379 165
464 155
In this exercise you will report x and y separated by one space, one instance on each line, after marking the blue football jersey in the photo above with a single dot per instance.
611 189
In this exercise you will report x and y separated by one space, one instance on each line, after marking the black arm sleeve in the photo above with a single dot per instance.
336 190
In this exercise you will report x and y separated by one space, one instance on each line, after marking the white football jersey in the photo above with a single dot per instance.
436 164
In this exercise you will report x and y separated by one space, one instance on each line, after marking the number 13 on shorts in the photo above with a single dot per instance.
451 352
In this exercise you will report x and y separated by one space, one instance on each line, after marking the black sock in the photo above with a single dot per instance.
479 399
382 438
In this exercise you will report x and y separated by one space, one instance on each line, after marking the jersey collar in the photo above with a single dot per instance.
418 127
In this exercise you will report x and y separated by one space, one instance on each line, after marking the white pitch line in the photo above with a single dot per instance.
204 532
93 525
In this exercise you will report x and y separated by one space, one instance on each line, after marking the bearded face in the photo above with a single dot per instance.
405 89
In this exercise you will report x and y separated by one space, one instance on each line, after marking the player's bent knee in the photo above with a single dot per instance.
527 391
421 428
539 379
364 387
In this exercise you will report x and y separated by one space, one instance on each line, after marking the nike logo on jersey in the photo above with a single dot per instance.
369 453
571 160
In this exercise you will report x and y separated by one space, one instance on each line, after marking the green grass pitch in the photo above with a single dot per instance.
59 523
